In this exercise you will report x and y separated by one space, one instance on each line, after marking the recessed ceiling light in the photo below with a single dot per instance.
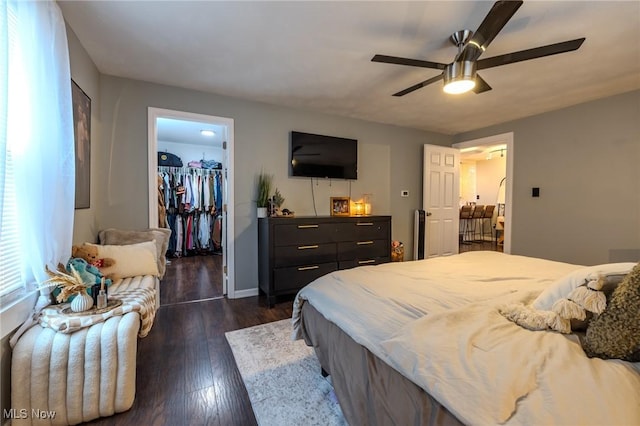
209 133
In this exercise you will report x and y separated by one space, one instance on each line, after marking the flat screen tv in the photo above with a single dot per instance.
323 156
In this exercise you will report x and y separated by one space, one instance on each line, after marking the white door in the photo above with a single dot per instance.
440 194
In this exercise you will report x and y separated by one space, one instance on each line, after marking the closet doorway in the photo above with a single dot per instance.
486 177
190 191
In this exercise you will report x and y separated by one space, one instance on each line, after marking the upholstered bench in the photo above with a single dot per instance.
83 366
85 374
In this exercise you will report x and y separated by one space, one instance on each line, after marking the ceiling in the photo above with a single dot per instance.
189 132
316 56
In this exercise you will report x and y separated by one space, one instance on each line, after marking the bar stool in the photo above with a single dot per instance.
476 219
488 214
465 216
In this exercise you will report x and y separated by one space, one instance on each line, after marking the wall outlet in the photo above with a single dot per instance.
404 193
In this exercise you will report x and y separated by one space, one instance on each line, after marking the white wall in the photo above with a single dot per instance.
489 173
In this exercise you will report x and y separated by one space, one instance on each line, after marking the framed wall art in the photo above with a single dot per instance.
82 140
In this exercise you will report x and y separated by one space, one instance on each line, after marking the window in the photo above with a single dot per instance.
10 275
36 152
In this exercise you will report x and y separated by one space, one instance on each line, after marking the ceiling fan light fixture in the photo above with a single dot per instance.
459 77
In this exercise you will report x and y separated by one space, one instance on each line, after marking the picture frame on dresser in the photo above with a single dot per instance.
340 206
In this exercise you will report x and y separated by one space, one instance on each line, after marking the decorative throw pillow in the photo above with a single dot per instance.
573 311
615 333
118 237
612 273
129 260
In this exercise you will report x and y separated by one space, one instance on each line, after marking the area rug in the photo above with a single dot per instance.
283 377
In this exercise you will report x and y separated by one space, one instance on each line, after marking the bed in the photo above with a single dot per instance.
428 343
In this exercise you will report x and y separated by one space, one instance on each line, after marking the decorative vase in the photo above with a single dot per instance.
82 302
262 212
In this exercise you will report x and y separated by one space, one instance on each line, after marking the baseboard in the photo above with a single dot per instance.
239 294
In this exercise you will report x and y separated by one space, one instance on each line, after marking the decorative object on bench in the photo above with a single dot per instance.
90 274
70 284
90 254
128 260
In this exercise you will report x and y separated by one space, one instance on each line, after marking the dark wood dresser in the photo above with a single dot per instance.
292 252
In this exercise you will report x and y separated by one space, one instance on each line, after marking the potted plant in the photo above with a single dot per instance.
265 182
276 201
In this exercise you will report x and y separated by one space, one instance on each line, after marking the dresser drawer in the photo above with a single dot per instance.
304 254
365 249
363 229
292 279
347 264
306 233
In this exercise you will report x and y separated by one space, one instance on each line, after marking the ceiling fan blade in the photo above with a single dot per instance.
495 20
481 85
419 85
406 61
525 55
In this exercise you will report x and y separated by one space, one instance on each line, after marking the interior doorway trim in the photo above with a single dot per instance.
228 231
504 138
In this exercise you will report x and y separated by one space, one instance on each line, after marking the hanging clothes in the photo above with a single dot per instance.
193 203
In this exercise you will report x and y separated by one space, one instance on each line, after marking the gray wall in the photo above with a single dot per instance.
261 143
586 161
86 75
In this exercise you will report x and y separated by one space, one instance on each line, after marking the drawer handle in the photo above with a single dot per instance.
308 268
307 226
364 224
364 243
364 262
308 247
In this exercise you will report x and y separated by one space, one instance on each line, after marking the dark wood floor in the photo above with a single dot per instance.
186 373
192 278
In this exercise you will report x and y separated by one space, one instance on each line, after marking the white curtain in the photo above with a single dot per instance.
4 85
40 137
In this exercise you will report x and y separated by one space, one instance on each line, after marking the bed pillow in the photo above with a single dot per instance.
129 260
613 273
118 237
615 333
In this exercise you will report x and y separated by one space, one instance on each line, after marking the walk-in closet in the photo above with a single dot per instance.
190 178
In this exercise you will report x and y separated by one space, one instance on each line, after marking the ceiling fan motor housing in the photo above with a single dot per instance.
459 38
462 70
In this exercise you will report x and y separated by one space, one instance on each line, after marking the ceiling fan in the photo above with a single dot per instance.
460 75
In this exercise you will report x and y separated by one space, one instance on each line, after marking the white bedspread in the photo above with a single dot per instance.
487 370
436 322
370 303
